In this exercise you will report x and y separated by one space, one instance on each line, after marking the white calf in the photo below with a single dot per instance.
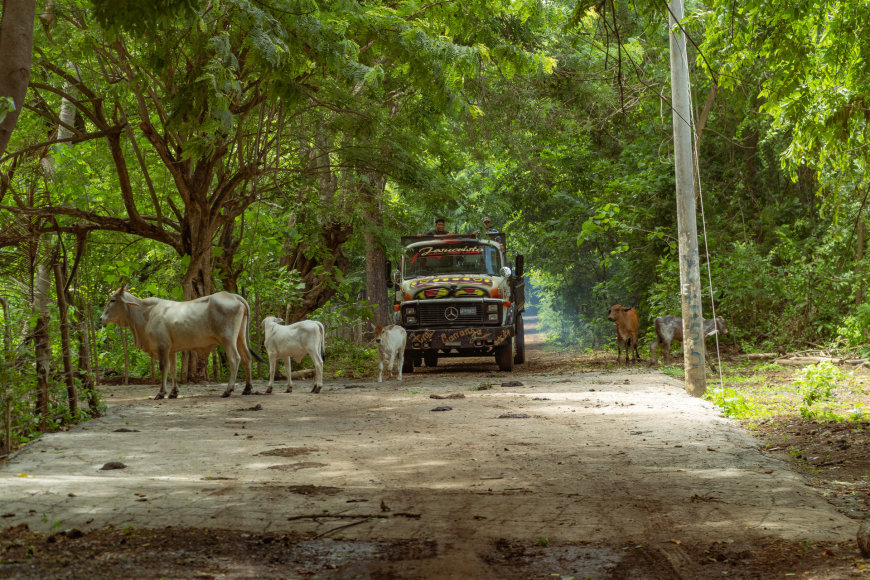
294 341
391 346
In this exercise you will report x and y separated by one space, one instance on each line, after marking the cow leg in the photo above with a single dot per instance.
401 361
318 370
652 352
288 366
235 360
247 359
315 388
619 349
380 369
273 363
666 352
636 354
164 371
247 364
173 394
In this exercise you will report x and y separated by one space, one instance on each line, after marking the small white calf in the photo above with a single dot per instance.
391 347
294 341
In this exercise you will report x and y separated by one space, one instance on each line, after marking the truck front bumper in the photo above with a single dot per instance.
447 339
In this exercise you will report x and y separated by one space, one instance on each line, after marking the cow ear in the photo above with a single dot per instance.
279 320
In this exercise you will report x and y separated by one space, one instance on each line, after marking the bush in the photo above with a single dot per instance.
817 385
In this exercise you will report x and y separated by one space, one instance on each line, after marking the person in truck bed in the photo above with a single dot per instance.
440 228
487 227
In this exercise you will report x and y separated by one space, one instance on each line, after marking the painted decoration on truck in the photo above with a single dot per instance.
429 293
449 279
467 250
445 291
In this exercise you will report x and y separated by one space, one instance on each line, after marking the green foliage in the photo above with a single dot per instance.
817 385
346 360
7 105
141 18
733 404
814 72
853 330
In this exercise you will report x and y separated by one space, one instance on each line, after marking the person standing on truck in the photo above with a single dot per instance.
487 227
440 228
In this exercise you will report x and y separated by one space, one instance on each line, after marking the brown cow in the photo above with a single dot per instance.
625 318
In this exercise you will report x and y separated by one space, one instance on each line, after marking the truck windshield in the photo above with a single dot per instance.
460 258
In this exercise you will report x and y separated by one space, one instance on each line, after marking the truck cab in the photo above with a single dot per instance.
457 296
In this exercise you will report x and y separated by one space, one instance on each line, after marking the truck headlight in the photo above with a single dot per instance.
492 307
491 317
410 310
411 319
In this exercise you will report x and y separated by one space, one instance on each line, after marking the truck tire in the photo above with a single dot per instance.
431 359
504 355
408 364
520 354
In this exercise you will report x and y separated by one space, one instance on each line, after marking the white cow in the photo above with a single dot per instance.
162 328
670 328
294 341
391 346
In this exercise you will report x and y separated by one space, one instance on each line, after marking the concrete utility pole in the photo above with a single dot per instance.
690 274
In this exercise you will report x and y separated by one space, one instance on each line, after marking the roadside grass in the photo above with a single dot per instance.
345 360
753 391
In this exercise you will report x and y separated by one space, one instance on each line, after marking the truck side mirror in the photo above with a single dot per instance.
388 267
520 263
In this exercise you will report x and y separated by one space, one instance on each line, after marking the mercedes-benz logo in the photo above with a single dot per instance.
451 313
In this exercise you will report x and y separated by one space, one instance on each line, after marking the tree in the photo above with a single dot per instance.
16 46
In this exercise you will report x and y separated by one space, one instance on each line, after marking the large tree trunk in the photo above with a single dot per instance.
318 274
317 270
16 48
859 266
85 375
196 237
376 282
42 343
63 308
227 270
7 328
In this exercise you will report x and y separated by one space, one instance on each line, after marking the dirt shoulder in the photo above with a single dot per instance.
450 473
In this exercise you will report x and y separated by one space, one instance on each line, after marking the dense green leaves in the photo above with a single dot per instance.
260 146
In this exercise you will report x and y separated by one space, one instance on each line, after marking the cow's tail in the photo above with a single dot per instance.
322 340
253 353
256 356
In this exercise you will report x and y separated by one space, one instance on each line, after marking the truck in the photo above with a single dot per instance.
456 296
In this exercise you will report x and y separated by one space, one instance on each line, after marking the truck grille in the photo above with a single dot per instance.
440 314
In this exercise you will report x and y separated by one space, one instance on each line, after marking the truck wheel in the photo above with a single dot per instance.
520 356
504 355
431 359
408 364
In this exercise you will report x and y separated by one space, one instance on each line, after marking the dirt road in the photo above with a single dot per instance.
573 473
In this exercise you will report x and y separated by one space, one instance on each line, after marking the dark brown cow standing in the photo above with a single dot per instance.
626 321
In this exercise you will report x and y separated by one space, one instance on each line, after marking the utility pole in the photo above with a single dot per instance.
687 226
